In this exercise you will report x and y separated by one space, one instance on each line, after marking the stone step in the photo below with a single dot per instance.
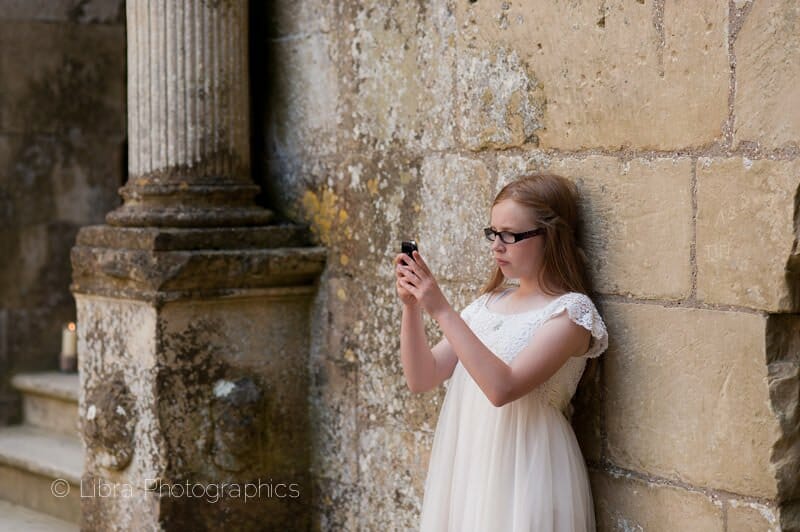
14 517
49 400
41 470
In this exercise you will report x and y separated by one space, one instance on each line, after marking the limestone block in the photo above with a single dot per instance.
334 385
501 100
627 503
290 18
336 505
688 397
400 74
305 87
746 516
455 205
81 11
392 466
745 231
767 48
612 75
62 77
637 219
221 396
362 209
124 332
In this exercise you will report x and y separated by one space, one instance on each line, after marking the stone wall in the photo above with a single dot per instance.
62 130
679 122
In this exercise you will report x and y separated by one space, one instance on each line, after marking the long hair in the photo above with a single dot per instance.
553 202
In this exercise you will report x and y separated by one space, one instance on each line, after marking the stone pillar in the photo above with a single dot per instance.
188 116
192 313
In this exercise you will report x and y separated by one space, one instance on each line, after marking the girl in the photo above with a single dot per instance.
504 455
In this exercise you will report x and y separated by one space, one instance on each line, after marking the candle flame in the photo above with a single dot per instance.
71 326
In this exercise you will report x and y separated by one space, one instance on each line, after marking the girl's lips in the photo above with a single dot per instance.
501 262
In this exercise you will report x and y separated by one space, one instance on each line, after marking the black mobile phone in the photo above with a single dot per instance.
408 246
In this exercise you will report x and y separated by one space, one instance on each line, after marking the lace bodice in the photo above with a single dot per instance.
507 334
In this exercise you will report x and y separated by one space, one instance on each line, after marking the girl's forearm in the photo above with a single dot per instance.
489 372
418 363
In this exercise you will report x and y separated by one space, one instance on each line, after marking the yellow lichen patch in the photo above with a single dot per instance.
405 178
321 212
349 355
342 215
372 185
344 259
341 295
417 207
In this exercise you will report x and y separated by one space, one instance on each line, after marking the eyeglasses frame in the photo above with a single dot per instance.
517 236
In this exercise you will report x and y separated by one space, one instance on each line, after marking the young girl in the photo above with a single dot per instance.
504 455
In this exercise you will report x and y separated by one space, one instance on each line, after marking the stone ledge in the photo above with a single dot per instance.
15 517
42 452
183 239
50 384
148 275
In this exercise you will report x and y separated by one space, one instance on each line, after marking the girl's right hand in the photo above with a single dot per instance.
405 296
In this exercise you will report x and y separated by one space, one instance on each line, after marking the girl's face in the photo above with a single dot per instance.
524 257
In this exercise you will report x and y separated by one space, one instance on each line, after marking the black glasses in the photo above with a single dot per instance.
508 237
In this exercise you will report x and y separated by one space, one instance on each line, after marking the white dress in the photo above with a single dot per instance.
518 467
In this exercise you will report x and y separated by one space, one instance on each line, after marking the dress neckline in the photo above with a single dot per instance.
529 311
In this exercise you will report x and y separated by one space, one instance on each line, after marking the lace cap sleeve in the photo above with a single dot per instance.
470 309
582 311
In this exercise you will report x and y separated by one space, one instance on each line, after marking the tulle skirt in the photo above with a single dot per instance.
516 468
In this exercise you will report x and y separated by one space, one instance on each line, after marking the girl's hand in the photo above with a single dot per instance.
417 279
405 296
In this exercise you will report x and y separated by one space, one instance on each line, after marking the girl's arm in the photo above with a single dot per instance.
423 368
552 345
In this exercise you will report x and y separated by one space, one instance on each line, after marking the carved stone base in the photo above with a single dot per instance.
192 348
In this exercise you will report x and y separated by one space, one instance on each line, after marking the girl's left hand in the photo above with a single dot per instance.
417 278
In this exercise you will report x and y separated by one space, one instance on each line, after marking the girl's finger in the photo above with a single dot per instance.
416 268
421 263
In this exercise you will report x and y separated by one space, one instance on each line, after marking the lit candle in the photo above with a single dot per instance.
69 340
68 361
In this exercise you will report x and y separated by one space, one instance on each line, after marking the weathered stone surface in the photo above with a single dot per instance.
393 463
220 391
400 74
637 219
80 11
164 275
62 78
746 516
336 505
193 238
363 211
745 232
71 179
627 503
289 19
454 206
767 48
334 385
612 75
306 101
501 101
688 398
188 105
109 424
783 357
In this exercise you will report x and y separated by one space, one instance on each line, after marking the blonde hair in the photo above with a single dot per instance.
553 203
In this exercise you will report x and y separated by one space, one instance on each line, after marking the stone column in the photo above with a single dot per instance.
188 116
193 316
